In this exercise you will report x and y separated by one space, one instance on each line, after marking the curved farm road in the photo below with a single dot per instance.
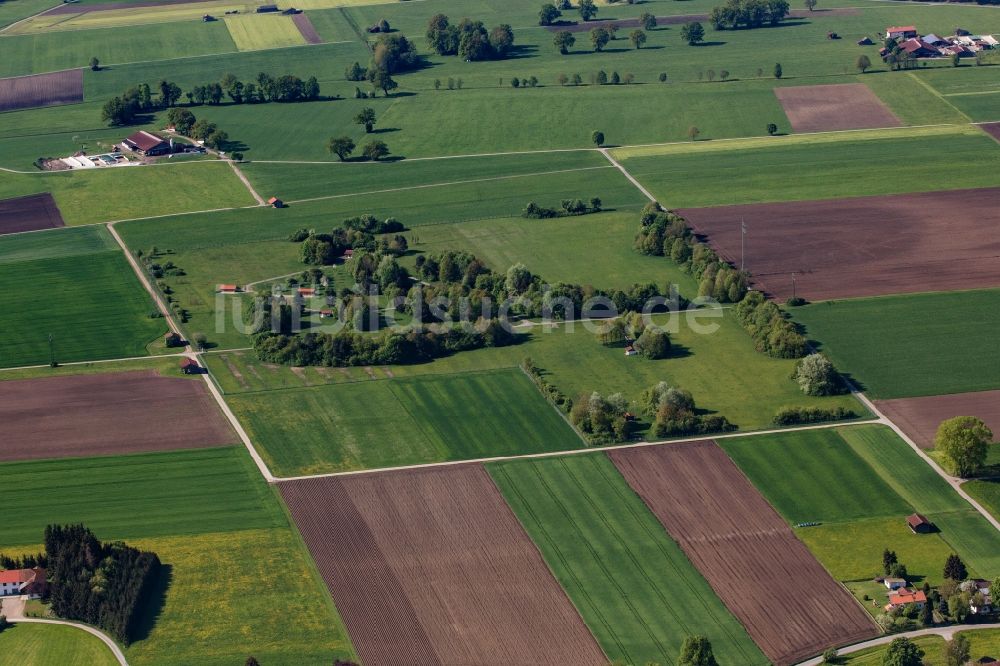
946 633
115 650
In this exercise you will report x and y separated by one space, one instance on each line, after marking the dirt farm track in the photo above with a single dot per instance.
920 417
863 246
107 414
787 601
432 567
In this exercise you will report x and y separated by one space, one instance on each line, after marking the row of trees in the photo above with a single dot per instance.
344 146
748 14
264 88
469 39
567 208
551 12
104 584
186 124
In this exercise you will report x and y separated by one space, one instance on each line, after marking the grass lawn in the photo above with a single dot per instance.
985 642
806 167
133 496
104 195
933 647
634 587
986 492
47 644
914 345
254 32
814 476
421 420
93 304
167 367
853 550
235 594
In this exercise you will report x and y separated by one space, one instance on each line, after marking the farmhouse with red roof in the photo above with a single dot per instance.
16 582
147 143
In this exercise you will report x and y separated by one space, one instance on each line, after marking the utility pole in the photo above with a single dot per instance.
743 243
793 286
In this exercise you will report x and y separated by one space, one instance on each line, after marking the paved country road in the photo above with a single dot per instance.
946 633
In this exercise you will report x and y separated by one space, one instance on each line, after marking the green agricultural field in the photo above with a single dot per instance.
915 345
814 476
15 11
55 243
104 195
166 367
960 525
46 644
933 647
93 305
418 420
227 590
806 167
972 90
634 587
853 550
252 33
142 495
987 493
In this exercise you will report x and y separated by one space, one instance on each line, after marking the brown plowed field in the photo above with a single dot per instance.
37 211
681 19
920 417
839 106
107 414
993 129
26 92
74 8
863 246
786 600
307 29
431 567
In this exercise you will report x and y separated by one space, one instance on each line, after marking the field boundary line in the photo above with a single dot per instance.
617 165
99 360
946 633
934 91
7 27
437 157
94 631
573 452
454 182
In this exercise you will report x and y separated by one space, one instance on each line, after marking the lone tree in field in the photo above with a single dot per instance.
648 21
772 129
564 41
863 63
964 442
381 80
638 38
342 147
375 150
95 64
810 4
599 37
587 9
366 117
816 375
653 344
696 651
903 652
251 661
889 558
777 70
597 137
548 14
954 568
693 132
693 33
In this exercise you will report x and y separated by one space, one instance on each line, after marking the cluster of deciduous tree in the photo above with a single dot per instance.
568 207
748 14
816 376
364 233
122 110
651 342
773 334
393 54
469 39
963 442
378 75
104 584
603 419
350 348
674 413
800 415
265 88
549 390
186 124
663 233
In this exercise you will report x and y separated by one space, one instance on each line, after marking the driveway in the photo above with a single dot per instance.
12 607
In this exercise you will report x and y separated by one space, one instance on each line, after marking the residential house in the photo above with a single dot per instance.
904 596
894 583
918 48
16 582
901 32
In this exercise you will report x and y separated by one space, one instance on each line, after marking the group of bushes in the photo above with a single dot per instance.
650 342
550 391
787 416
748 14
674 413
103 584
568 208
469 39
603 420
772 332
364 233
663 233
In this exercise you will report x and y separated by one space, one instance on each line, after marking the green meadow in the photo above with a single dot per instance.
986 492
634 587
394 422
45 644
86 296
913 345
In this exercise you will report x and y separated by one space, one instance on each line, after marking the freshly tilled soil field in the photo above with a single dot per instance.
788 603
307 29
432 567
840 106
920 417
27 92
30 213
862 246
107 414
